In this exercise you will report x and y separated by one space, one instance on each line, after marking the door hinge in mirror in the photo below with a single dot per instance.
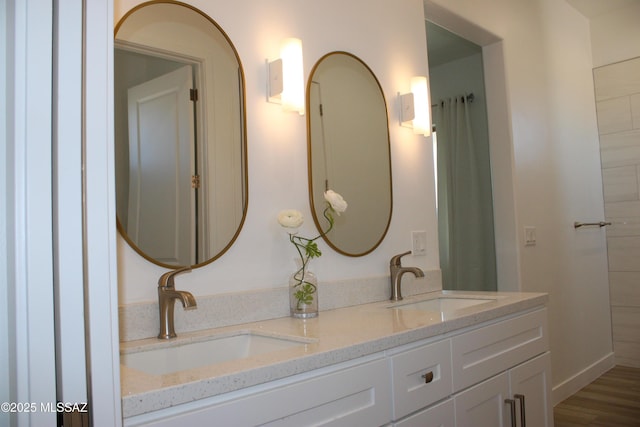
195 181
193 94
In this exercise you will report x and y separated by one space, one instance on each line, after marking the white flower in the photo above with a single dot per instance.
290 218
336 201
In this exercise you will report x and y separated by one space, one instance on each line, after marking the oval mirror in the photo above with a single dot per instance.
180 147
348 146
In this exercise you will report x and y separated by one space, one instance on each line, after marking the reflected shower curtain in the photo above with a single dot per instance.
465 205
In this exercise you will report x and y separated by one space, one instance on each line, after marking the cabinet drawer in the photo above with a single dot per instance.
487 351
411 389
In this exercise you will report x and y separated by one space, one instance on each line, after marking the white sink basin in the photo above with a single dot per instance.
444 304
180 357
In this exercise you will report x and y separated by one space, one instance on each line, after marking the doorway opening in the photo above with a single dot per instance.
462 152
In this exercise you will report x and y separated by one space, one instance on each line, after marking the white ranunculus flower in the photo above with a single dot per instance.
290 218
336 201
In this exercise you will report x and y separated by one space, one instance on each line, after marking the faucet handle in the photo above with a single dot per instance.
396 259
166 280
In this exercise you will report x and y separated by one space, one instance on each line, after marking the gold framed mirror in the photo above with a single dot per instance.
349 151
180 135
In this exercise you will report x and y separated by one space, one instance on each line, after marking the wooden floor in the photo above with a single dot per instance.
613 400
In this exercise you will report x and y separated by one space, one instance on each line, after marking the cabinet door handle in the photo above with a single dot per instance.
428 377
512 408
523 420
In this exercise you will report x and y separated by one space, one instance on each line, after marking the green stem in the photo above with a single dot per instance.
306 250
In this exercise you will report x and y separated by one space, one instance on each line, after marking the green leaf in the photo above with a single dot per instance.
311 250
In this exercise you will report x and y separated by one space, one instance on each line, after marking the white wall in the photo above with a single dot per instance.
550 99
389 37
615 35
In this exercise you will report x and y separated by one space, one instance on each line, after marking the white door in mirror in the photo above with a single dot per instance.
161 144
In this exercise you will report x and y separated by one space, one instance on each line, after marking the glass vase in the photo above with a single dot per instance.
303 293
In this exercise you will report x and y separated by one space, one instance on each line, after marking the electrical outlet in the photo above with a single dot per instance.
419 242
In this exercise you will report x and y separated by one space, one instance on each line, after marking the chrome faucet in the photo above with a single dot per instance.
397 270
167 296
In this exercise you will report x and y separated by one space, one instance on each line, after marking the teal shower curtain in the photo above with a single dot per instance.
465 204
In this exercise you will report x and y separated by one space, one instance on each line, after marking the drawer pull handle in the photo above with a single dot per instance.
523 420
512 404
428 377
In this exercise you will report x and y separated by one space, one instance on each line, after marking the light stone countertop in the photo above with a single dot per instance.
334 336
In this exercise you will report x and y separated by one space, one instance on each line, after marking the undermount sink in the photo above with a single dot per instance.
181 357
443 304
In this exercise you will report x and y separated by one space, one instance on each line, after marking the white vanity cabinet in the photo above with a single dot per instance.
492 369
459 379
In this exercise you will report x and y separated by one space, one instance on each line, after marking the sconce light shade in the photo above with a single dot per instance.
286 77
415 110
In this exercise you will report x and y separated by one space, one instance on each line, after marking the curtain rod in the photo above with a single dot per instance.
469 98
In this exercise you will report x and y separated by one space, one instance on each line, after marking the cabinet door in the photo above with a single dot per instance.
484 405
440 415
532 380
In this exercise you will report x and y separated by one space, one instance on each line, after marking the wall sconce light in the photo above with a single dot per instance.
286 77
415 110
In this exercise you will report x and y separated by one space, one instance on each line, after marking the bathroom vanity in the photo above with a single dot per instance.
442 358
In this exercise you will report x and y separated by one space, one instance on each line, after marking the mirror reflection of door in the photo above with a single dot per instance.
161 152
152 40
157 154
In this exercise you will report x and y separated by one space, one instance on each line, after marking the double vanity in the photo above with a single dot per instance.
432 359
440 358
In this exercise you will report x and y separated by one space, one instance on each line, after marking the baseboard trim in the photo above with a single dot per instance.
570 386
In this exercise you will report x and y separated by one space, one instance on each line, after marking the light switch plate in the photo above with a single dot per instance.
419 242
529 236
